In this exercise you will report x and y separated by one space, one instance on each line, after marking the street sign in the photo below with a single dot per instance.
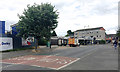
6 43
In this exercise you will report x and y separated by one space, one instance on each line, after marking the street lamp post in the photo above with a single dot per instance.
84 33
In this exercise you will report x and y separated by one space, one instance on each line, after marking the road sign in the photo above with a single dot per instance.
6 43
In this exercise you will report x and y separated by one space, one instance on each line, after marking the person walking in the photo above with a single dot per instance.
115 44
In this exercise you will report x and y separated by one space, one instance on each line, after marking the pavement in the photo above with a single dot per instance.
40 49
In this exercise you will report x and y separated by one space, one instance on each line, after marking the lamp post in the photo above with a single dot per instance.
84 33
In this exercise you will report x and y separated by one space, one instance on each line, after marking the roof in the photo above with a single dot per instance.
13 25
111 35
97 28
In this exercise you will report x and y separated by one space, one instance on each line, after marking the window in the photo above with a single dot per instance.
97 35
91 36
76 33
100 35
83 36
97 31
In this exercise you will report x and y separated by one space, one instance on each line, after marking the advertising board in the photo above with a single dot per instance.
6 43
28 41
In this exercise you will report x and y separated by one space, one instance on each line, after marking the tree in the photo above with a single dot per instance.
38 21
54 33
69 32
118 33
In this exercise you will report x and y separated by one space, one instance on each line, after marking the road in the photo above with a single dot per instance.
91 57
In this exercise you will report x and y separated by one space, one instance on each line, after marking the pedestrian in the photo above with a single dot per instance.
50 45
115 44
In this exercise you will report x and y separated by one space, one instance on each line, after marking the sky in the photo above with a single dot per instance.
73 14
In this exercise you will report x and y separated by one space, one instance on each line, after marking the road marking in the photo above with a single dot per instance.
76 60
57 54
13 64
44 67
68 64
63 62
54 54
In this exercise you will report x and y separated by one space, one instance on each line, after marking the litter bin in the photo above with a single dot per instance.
48 44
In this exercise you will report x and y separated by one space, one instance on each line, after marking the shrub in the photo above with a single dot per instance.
102 42
42 41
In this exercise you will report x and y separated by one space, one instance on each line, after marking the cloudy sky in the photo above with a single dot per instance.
73 14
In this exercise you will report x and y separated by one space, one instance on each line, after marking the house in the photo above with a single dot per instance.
90 34
59 40
14 30
110 37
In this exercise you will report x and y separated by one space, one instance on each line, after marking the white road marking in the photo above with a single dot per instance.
62 62
57 54
68 64
76 60
70 60
13 64
44 67
59 67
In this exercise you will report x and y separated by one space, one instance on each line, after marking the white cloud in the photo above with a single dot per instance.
74 14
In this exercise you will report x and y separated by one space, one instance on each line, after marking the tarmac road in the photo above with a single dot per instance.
91 57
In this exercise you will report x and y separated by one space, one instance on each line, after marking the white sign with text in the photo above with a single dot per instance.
6 43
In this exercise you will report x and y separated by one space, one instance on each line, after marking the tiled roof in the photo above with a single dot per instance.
97 28
111 35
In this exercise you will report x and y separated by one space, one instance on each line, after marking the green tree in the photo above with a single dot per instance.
69 32
38 21
118 33
54 33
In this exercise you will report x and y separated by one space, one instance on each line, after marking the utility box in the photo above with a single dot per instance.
48 44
